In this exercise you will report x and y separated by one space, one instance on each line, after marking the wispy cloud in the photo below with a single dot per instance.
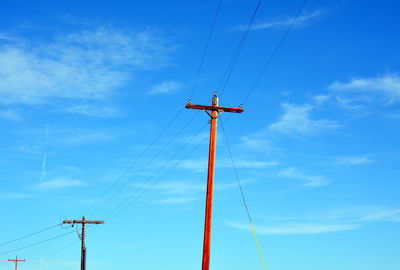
350 218
201 164
187 188
167 87
90 64
297 120
59 183
353 160
176 200
385 89
310 180
300 21
92 110
297 228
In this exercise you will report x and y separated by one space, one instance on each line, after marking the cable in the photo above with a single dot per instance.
244 198
125 203
203 57
31 234
278 46
37 243
228 72
151 160
118 179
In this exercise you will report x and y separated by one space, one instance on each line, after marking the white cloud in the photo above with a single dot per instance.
310 180
297 228
201 164
348 218
184 188
86 65
176 200
167 87
300 21
91 110
354 160
366 90
59 183
297 120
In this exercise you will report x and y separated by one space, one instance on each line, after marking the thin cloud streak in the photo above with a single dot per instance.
366 90
300 21
310 180
167 87
298 228
59 183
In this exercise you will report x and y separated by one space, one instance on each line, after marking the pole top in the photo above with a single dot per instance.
215 94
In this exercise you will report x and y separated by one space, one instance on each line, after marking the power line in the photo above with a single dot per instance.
118 179
228 72
274 52
125 202
30 234
37 243
150 161
244 198
203 57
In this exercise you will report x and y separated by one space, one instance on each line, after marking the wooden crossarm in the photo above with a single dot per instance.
84 221
214 108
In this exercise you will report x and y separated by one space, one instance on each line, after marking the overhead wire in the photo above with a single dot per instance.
30 234
133 163
203 56
150 162
126 201
253 230
235 57
275 51
38 243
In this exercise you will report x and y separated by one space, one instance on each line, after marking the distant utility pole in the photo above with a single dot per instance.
83 248
16 261
214 111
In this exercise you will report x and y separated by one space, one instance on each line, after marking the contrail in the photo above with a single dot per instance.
44 169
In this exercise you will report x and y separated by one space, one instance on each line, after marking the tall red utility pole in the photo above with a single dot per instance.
214 111
83 221
16 261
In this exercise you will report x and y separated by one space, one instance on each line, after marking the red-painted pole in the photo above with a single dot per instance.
210 187
214 111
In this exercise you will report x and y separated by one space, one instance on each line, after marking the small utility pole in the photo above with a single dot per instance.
83 235
214 111
16 261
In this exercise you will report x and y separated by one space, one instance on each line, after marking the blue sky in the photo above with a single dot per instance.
87 88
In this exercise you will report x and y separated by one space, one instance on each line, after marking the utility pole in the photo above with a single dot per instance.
83 221
16 261
214 111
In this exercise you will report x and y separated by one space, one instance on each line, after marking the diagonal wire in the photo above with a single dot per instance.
31 234
38 243
231 66
203 57
119 178
125 203
244 198
150 161
275 51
